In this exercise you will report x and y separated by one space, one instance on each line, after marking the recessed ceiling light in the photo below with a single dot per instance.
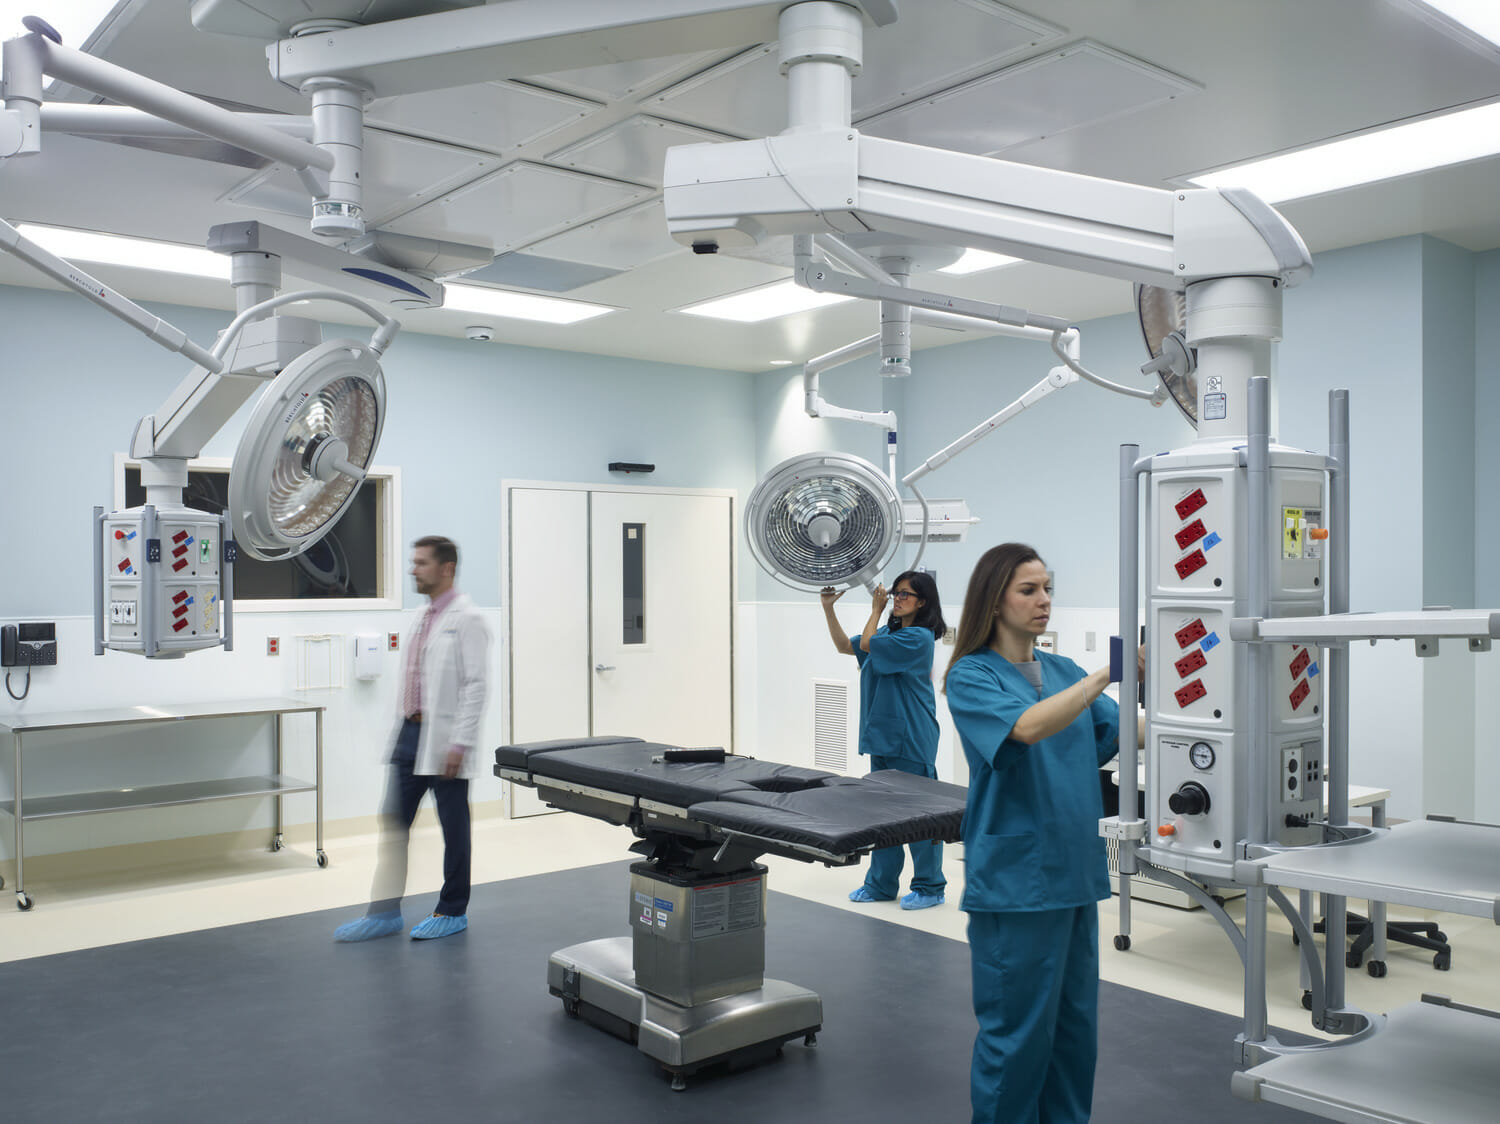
75 21
783 298
519 306
1398 150
137 253
975 261
782 362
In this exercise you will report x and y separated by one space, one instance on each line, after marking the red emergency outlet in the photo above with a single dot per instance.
1191 503
273 646
1191 632
1299 694
1190 534
1190 694
393 640
1190 663
1300 664
1187 567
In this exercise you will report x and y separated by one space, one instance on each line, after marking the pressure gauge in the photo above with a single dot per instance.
1201 755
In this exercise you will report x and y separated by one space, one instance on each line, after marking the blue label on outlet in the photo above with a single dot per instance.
1210 642
1212 540
1312 669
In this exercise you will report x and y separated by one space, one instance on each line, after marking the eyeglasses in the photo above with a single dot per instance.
902 595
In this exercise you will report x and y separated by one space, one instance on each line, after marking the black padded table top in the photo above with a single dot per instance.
625 766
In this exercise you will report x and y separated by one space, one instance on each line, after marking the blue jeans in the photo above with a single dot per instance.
403 794
884 877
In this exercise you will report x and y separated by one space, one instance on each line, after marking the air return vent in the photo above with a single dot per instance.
831 725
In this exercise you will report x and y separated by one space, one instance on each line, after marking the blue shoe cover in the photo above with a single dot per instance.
863 895
917 900
438 925
369 927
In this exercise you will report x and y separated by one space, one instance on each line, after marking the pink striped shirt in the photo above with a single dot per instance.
411 699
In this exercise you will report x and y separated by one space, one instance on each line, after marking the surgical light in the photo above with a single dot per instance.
519 306
1382 154
824 519
136 253
783 298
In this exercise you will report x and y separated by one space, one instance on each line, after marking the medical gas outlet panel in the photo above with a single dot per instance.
1197 700
162 587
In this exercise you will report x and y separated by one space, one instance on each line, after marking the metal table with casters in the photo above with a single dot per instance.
21 727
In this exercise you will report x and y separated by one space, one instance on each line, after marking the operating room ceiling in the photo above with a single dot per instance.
561 172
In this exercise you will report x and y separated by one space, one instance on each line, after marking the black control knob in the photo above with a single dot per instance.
1189 800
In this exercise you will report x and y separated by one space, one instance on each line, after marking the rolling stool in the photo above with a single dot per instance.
1421 934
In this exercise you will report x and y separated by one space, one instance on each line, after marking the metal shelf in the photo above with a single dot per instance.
1431 624
1423 1064
1428 864
156 796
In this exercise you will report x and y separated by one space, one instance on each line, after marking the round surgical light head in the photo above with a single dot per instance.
310 441
1163 318
824 519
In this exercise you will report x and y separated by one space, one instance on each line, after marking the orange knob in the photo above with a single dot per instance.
1166 829
1318 533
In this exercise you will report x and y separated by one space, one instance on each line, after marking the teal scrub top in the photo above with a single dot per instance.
1031 827
897 706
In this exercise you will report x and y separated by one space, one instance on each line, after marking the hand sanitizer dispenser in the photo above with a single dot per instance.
368 653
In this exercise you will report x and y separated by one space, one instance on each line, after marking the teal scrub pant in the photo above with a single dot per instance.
1036 996
883 879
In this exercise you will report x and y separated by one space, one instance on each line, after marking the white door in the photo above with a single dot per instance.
577 668
663 603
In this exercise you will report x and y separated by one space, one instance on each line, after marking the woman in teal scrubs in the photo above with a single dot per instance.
898 725
1035 729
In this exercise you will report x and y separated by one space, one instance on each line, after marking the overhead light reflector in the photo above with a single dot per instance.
1398 150
519 306
784 298
137 253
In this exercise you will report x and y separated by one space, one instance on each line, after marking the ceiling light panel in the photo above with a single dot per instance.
951 40
399 173
1400 150
94 248
633 149
621 80
784 298
492 116
624 240
1082 84
520 204
519 306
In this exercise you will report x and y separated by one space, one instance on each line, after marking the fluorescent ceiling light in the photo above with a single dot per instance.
974 261
1399 150
137 253
782 362
783 298
518 306
75 21
1480 16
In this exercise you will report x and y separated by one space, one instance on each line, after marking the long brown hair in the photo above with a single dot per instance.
987 586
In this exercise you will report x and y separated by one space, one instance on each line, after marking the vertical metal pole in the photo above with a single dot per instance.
318 778
149 573
98 581
20 818
1258 454
276 772
1130 584
1335 906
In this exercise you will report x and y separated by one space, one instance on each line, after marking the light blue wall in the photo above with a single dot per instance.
462 416
1487 428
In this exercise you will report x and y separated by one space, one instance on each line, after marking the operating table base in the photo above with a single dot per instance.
596 982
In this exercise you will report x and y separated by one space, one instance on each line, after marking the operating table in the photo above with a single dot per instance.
688 985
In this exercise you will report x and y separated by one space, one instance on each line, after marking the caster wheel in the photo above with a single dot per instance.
1122 943
23 902
1440 936
811 1041
322 859
570 1008
1353 959
679 1083
1218 900
1442 961
1307 1001
276 844
1376 968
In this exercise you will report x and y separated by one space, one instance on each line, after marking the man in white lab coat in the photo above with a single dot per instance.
442 696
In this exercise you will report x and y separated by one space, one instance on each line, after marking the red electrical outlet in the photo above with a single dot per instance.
1299 694
1190 534
393 641
1190 694
1187 567
1190 663
273 646
1191 632
1191 503
1299 664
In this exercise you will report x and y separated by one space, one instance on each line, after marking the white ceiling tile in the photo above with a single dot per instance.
1081 84
621 80
399 172
624 240
493 116
633 149
518 205
744 94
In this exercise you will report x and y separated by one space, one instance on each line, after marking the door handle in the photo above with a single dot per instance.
604 667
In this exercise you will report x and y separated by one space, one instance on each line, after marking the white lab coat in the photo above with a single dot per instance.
455 682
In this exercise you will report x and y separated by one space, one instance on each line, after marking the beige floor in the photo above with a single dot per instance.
137 893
